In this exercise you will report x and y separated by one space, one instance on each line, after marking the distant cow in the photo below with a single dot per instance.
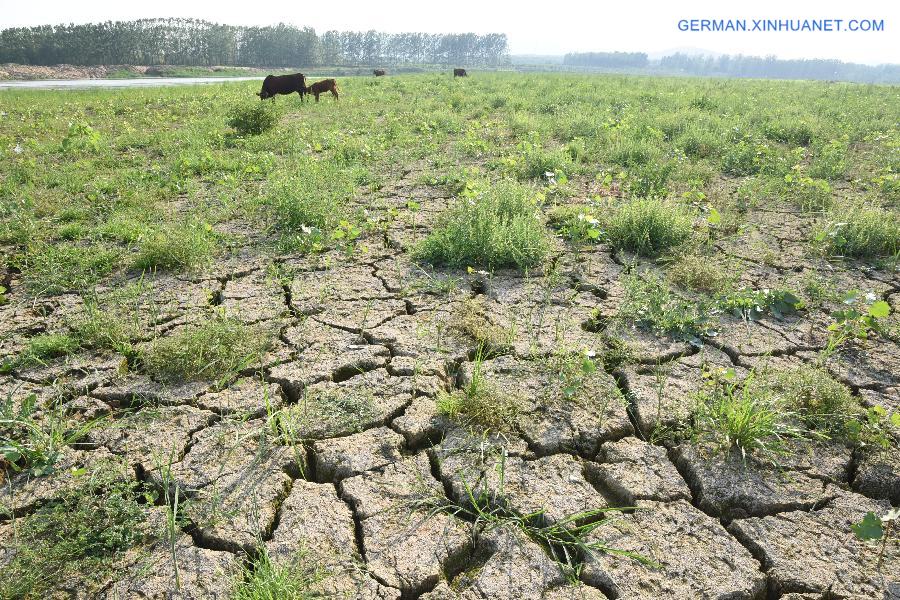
283 84
380 72
460 73
320 87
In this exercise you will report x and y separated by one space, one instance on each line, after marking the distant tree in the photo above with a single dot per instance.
197 42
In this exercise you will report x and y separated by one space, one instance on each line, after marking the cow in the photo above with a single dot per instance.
320 87
460 73
283 84
380 72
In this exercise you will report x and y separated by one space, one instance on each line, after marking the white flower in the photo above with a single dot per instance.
871 297
485 273
590 354
549 174
305 229
17 149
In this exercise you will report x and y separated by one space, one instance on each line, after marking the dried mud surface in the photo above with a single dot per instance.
348 488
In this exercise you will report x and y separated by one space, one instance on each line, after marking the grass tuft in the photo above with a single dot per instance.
216 348
862 232
649 226
265 579
497 227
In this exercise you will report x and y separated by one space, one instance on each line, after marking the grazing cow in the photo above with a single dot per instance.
380 72
460 73
283 84
320 87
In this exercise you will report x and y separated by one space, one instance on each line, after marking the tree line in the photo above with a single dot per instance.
193 42
767 67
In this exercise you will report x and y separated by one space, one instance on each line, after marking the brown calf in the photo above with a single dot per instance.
320 87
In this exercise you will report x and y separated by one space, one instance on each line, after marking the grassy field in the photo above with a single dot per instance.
711 264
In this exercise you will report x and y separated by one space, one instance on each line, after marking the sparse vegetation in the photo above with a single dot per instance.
536 245
75 539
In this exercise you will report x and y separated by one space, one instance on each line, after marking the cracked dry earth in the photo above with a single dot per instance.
378 329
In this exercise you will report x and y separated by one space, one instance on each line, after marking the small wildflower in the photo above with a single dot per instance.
17 149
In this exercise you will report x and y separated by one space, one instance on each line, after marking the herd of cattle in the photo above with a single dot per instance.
273 85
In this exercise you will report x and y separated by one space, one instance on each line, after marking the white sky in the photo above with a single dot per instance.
546 27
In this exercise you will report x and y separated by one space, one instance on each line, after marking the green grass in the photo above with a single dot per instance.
74 541
56 268
745 416
264 579
701 273
493 227
480 404
175 247
862 232
821 402
648 227
217 348
650 302
47 346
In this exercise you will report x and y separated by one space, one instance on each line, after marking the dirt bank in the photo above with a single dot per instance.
29 72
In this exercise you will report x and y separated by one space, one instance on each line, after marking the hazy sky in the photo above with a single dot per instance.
545 27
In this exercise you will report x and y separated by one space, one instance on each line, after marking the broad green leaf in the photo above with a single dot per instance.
879 309
714 217
869 528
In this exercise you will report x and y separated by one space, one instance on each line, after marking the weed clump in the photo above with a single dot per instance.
497 227
742 415
253 118
649 226
651 303
42 348
217 348
821 402
265 579
862 232
175 247
700 273
480 404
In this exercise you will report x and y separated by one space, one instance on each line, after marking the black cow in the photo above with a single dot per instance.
460 73
380 72
283 84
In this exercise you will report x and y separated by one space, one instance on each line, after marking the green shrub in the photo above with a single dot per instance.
649 226
496 227
253 118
